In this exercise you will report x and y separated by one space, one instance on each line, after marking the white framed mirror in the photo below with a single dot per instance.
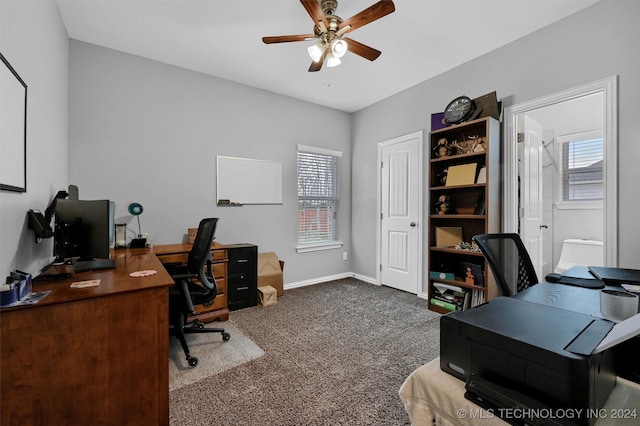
537 136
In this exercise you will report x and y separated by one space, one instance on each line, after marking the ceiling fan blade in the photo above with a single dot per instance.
362 49
370 14
315 11
288 38
316 66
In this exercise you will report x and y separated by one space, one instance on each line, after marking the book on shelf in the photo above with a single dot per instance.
442 304
482 175
450 295
477 298
480 206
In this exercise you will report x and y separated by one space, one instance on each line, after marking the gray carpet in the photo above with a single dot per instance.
335 354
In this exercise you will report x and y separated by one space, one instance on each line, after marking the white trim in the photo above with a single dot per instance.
609 88
421 219
578 205
319 246
316 150
320 280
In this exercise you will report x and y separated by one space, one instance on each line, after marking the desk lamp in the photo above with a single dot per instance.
136 209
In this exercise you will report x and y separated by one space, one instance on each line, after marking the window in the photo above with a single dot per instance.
318 198
582 173
582 177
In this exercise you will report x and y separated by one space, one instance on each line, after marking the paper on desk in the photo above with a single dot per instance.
619 333
85 284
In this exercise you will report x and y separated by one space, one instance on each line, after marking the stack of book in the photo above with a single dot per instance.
450 297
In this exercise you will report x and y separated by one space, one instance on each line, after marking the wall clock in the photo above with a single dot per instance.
459 110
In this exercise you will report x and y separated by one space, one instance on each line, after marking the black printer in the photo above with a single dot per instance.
528 355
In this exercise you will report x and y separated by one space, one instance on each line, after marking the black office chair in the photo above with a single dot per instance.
196 286
509 261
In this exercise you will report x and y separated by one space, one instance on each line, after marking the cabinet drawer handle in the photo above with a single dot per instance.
243 260
243 288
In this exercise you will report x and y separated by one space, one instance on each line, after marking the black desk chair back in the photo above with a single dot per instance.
195 286
509 261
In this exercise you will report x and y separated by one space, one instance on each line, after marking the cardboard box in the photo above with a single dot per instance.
192 232
448 236
270 272
267 295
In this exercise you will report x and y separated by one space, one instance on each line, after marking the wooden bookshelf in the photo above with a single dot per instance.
473 207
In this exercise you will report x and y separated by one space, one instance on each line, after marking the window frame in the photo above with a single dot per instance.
324 244
562 140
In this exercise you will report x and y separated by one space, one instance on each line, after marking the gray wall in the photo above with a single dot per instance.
144 131
598 42
149 132
34 41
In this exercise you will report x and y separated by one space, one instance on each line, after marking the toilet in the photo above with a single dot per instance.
580 252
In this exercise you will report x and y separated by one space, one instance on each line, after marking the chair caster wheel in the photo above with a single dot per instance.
226 336
193 361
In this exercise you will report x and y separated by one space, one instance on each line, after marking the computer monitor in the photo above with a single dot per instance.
84 233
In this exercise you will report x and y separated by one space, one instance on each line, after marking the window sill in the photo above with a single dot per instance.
579 205
318 246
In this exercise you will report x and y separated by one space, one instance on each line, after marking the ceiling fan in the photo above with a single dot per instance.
329 30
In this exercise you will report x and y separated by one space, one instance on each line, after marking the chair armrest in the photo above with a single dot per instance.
179 277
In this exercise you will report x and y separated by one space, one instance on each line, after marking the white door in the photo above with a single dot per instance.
400 212
531 178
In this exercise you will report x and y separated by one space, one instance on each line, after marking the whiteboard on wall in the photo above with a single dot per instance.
248 181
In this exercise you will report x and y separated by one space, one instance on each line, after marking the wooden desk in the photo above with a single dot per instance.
90 356
178 253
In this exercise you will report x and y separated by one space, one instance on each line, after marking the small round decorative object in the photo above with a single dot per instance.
459 110
135 209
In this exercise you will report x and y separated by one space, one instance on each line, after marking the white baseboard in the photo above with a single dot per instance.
289 286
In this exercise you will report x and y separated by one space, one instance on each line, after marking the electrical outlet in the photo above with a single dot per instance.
344 256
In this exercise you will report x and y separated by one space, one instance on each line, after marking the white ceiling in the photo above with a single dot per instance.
223 38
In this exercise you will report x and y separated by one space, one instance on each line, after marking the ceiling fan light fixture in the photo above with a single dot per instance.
338 47
333 60
315 52
329 28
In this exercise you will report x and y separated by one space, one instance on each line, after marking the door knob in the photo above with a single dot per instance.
544 226
412 224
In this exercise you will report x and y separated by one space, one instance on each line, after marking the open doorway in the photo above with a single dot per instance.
551 194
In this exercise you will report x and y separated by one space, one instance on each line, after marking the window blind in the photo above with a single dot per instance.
318 195
582 172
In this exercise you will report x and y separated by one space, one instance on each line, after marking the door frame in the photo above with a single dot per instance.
609 88
420 137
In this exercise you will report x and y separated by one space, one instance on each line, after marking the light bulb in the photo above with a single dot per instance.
315 52
333 60
339 47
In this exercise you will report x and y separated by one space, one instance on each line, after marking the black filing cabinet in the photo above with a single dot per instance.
242 275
